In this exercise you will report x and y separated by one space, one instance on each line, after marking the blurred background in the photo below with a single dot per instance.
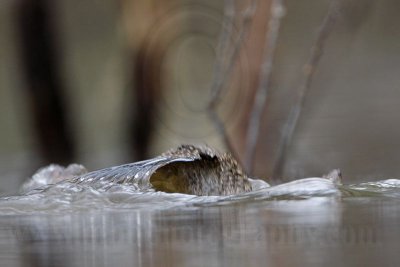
106 82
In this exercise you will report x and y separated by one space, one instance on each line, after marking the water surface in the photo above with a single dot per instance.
308 222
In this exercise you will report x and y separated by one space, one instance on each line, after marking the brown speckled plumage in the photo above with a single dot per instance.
186 169
212 173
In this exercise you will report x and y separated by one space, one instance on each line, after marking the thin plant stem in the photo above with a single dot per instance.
309 71
253 130
226 61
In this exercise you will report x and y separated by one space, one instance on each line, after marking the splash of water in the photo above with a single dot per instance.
57 190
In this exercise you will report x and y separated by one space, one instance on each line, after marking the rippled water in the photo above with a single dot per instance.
72 196
307 222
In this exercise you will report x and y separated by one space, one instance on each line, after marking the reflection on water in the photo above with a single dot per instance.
320 231
308 222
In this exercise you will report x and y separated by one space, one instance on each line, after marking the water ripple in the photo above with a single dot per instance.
72 196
